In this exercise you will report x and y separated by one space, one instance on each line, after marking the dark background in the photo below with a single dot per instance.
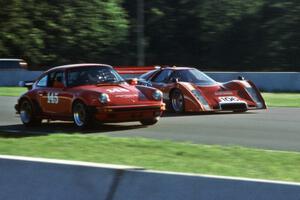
242 35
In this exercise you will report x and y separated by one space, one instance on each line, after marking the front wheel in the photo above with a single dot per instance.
81 115
148 122
28 114
177 101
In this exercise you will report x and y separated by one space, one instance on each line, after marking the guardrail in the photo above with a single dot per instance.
265 81
44 179
12 77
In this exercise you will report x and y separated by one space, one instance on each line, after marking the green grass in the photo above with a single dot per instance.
272 99
12 91
159 155
282 99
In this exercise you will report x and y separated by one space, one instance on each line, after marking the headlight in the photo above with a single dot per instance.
201 99
104 98
157 95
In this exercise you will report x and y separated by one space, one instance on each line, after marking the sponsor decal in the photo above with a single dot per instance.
52 98
117 90
126 95
223 93
228 99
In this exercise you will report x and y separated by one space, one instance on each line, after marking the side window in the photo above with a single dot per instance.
180 75
43 81
57 76
163 76
73 77
147 75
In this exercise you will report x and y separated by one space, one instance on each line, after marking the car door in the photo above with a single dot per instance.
55 100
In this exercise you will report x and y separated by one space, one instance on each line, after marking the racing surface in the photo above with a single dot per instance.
274 129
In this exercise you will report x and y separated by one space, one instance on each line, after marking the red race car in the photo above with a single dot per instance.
187 89
87 92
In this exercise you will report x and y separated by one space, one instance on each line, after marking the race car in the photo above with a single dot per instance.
84 93
186 89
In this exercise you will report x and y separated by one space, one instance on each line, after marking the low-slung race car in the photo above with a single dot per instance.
187 89
87 92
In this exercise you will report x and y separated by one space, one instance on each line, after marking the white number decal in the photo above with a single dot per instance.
228 99
52 97
117 90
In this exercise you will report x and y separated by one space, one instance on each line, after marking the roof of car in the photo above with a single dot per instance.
178 68
78 65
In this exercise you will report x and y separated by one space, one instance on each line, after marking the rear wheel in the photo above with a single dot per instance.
28 114
148 122
81 115
177 101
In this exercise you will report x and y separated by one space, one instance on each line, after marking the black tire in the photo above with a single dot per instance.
28 114
81 115
148 122
177 101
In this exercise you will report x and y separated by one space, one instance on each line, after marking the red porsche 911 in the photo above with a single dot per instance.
187 89
86 92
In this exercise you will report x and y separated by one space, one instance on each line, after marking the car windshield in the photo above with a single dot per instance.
147 75
193 76
93 75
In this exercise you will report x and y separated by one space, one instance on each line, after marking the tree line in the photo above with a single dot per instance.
243 35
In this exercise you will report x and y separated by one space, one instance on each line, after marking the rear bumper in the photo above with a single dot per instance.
128 113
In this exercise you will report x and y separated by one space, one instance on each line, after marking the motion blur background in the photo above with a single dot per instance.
244 35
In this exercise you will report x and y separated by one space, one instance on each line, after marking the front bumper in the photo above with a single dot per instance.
233 106
128 113
17 108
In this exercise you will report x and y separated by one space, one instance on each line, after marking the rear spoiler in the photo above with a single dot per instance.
134 70
27 84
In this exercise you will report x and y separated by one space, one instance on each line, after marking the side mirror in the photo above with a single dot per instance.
241 78
27 84
132 81
174 80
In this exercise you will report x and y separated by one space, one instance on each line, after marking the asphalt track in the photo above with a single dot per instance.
274 129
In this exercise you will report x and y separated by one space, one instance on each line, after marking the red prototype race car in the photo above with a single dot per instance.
84 92
187 89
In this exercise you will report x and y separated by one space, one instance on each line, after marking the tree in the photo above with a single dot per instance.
63 31
222 34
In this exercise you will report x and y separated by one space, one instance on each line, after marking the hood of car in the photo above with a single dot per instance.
119 94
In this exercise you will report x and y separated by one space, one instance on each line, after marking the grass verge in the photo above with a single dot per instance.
282 99
12 91
272 99
159 155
